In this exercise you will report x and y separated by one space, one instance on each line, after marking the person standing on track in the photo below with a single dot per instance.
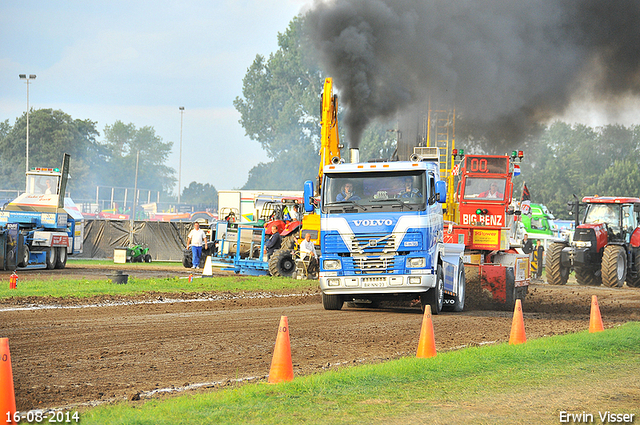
195 239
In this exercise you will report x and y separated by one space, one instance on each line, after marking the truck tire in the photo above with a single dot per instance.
434 297
61 259
614 266
23 257
588 276
557 274
281 263
332 302
52 257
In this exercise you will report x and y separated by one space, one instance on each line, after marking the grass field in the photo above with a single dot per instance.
80 288
532 383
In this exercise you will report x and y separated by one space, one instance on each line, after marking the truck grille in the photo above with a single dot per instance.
373 243
371 265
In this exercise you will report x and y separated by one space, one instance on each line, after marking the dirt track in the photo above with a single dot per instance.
66 357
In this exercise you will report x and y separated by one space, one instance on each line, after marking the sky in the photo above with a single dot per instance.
138 62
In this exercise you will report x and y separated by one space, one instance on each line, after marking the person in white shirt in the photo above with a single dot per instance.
195 239
49 189
308 252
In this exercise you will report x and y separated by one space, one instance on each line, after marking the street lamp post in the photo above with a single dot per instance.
180 164
27 81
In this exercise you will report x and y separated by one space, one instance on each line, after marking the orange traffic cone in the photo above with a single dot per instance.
595 320
517 326
281 365
427 343
7 395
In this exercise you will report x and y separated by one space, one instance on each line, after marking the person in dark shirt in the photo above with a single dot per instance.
527 246
274 243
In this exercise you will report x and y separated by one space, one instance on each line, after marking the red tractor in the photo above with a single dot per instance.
605 247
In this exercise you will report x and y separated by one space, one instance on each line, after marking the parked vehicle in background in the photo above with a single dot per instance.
41 227
605 248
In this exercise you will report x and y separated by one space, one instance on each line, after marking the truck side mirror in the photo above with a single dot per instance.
636 207
308 196
441 191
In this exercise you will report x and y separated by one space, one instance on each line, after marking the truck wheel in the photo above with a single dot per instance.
614 266
458 300
52 257
61 260
588 276
332 302
24 259
434 297
282 263
557 274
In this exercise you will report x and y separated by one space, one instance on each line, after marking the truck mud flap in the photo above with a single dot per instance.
452 253
451 256
490 286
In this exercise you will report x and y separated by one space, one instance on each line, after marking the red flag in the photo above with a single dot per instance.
526 196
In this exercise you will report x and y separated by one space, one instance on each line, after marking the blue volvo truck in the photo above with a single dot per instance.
382 235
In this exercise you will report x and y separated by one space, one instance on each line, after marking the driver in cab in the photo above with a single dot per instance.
492 193
347 194
409 191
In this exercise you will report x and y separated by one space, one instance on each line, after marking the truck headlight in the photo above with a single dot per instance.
331 264
417 262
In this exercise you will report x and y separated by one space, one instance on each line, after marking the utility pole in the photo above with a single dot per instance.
27 81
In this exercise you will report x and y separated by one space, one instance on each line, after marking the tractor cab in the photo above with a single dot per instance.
617 216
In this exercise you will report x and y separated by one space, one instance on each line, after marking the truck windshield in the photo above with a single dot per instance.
482 188
387 191
42 184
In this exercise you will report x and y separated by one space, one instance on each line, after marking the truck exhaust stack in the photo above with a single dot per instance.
355 155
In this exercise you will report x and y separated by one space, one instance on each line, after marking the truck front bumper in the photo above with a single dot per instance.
418 281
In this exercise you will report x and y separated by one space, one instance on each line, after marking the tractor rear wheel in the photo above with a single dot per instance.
588 276
614 266
281 263
557 274
633 282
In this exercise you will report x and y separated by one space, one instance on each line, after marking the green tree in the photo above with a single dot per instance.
51 133
567 160
122 143
198 193
377 142
620 179
279 108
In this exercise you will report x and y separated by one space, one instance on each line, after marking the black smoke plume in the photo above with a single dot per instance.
500 62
